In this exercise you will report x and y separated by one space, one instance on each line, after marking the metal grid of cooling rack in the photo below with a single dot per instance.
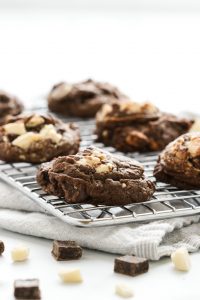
167 201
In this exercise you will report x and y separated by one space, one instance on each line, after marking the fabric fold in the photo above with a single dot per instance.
154 240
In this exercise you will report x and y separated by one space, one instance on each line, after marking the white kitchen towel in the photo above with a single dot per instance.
154 240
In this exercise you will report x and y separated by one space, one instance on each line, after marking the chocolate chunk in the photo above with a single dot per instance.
66 250
131 265
2 247
27 289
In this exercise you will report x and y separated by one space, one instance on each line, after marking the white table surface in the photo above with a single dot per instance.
161 282
151 57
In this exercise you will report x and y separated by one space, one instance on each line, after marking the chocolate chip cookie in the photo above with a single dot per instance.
82 99
97 177
130 126
36 138
179 163
9 105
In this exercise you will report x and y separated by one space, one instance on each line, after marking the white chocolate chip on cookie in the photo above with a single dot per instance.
61 91
49 132
15 128
104 168
36 120
99 154
25 140
194 147
195 126
91 161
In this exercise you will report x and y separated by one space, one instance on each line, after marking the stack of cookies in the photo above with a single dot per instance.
93 175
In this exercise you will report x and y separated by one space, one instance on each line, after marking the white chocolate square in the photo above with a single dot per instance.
195 126
104 168
25 140
15 128
49 132
61 91
35 121
194 146
70 276
123 290
20 253
181 259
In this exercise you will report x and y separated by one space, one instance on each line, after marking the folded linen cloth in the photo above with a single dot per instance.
153 240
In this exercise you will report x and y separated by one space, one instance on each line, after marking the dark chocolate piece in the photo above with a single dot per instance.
96 176
131 265
27 289
66 250
2 247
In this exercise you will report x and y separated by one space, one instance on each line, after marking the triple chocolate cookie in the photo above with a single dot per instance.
9 105
97 177
179 163
130 126
37 138
82 99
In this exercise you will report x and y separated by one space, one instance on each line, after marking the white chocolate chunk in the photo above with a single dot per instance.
20 253
181 259
104 168
61 91
15 128
135 107
194 146
25 140
196 126
123 290
91 161
35 121
70 276
99 154
49 132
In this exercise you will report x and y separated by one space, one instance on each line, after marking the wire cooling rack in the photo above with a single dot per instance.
167 201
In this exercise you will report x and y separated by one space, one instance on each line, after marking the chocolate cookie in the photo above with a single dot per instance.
82 99
37 138
179 163
95 176
130 126
9 105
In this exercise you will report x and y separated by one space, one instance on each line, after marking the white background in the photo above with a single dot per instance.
171 5
150 55
151 50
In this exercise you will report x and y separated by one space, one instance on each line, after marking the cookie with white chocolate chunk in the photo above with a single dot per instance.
9 105
179 163
96 176
130 126
82 99
36 138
